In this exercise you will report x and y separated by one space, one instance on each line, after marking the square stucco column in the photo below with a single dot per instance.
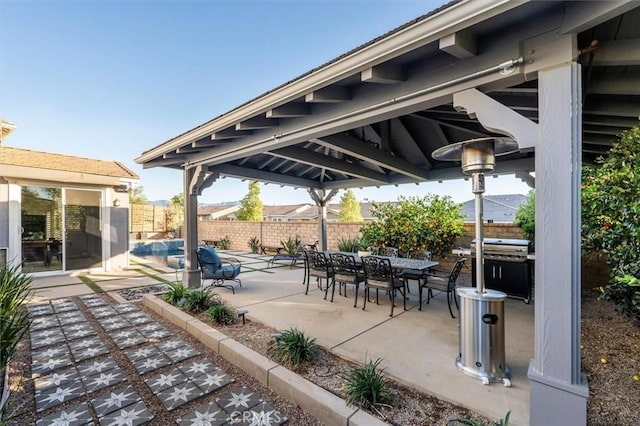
558 388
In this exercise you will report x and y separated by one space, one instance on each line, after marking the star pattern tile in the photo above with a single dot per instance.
154 331
206 415
123 308
146 365
103 312
85 343
84 353
240 399
94 367
44 322
212 381
52 397
114 323
197 368
76 331
52 352
57 378
172 344
181 354
165 380
103 380
142 352
39 309
127 342
72 318
40 339
78 415
45 366
132 415
115 400
177 396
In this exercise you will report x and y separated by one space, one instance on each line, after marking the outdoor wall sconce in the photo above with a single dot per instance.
116 202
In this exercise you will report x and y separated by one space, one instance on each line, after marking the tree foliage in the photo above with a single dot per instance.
526 217
251 205
349 208
175 212
610 206
136 195
415 223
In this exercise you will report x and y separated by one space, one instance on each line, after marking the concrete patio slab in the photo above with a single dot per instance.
65 291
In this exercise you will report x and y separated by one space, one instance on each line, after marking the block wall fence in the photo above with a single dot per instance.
594 269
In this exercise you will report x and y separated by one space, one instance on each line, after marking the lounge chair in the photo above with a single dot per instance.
219 270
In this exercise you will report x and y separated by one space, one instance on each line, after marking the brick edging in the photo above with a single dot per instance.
320 403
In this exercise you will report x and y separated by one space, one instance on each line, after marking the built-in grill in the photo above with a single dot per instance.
506 267
508 250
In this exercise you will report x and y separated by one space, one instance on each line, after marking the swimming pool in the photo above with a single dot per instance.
169 252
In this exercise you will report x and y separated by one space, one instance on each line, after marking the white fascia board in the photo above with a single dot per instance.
452 19
21 173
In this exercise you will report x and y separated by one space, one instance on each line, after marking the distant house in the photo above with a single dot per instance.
284 213
61 213
225 212
496 208
333 213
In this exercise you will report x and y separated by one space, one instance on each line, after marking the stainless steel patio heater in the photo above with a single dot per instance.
481 328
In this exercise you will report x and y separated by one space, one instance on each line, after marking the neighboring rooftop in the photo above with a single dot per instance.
497 208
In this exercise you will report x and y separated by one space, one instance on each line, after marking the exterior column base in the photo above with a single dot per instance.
191 277
557 403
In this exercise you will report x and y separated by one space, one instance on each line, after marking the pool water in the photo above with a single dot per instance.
168 252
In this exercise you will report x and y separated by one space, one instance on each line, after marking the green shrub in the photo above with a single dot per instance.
197 300
477 422
222 314
175 295
224 243
415 223
291 245
349 244
526 218
293 348
367 387
254 244
15 292
624 292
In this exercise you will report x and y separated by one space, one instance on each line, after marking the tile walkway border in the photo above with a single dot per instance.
322 404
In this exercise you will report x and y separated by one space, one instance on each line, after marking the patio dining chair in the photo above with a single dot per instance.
320 267
217 269
417 274
444 284
347 271
380 276
390 252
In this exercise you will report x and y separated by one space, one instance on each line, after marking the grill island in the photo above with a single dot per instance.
481 332
506 267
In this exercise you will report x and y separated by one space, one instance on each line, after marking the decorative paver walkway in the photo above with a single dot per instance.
66 353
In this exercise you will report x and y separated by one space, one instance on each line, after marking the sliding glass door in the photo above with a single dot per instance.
61 229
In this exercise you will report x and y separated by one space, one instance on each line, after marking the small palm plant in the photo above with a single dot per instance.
221 314
348 244
15 292
224 243
291 245
198 300
293 348
175 295
254 244
367 387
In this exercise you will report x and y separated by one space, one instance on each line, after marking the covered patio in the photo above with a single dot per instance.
560 78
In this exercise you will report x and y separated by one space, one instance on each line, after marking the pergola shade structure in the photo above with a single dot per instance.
560 78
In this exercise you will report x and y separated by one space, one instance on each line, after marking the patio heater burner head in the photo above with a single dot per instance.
477 155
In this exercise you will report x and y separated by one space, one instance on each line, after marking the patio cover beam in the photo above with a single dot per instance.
263 175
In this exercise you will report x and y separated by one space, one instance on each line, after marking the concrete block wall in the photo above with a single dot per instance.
594 271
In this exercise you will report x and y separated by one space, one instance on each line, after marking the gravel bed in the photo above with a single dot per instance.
610 358
135 294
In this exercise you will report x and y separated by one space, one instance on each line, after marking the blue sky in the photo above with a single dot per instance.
111 79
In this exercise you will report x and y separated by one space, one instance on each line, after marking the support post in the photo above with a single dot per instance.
195 180
559 390
321 200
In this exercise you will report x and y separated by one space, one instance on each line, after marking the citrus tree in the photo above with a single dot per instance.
429 223
349 208
251 205
611 218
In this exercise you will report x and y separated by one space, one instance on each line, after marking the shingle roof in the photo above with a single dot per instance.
498 208
67 163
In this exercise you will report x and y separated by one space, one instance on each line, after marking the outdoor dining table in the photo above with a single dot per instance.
396 262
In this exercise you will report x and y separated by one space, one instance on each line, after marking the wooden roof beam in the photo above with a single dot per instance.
331 94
